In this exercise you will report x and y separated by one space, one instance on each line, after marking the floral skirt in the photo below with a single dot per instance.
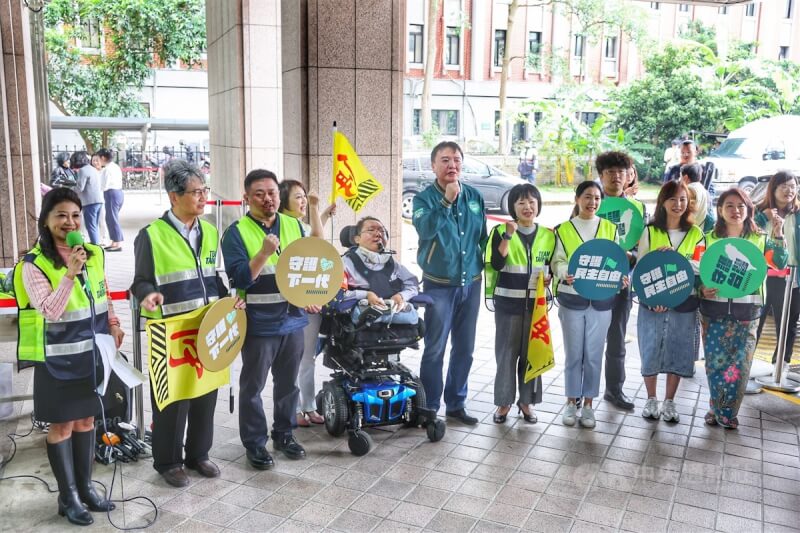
729 348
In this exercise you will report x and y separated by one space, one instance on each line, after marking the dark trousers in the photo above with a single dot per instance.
775 291
91 219
615 342
260 355
114 199
169 426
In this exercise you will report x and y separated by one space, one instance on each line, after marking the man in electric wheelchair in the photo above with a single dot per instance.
365 330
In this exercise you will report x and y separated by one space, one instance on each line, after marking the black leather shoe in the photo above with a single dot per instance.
260 459
289 446
619 400
461 414
204 467
176 477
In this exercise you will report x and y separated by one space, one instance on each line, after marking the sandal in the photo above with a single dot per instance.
302 422
710 419
314 417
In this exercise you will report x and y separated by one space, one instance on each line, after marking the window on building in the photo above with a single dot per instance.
452 46
610 48
589 118
683 8
497 123
534 49
537 117
723 10
499 47
750 10
445 119
580 43
415 43
789 11
91 33
655 5
783 53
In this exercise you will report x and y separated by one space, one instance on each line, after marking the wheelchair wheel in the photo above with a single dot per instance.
360 443
334 408
418 402
435 430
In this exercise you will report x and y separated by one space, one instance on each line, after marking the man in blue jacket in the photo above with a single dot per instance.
451 224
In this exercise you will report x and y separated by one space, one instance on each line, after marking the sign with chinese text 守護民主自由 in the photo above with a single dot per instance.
663 278
598 267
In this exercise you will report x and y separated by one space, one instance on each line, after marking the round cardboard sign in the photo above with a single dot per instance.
733 266
598 266
309 272
624 214
663 278
221 335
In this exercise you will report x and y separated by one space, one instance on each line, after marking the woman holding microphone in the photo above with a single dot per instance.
669 338
730 324
61 293
584 322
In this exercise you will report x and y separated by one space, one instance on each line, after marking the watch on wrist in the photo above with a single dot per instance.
506 236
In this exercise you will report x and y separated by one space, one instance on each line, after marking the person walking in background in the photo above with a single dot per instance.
296 203
450 221
584 323
90 191
62 175
528 165
113 196
730 324
669 338
780 201
518 252
672 156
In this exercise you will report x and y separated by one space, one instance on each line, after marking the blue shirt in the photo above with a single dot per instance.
260 323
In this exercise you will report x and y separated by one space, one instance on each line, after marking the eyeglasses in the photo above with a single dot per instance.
787 187
197 193
615 171
376 231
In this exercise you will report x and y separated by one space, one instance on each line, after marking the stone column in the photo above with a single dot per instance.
20 197
343 61
244 91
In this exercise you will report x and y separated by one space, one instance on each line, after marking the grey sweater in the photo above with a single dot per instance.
88 185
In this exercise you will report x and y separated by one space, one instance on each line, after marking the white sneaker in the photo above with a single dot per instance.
568 418
651 409
587 417
669 414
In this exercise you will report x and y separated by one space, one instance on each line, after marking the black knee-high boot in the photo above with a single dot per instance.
83 444
69 502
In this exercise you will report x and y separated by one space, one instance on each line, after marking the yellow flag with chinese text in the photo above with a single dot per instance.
351 179
176 372
541 357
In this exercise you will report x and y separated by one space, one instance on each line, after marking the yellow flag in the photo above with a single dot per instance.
351 179
541 357
176 373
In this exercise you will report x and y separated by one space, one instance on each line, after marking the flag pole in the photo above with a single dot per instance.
333 180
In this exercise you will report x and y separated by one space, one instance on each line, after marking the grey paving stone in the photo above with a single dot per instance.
187 504
518 497
485 526
391 488
281 505
469 453
466 505
599 514
244 496
781 499
412 514
496 474
777 515
479 489
443 480
696 498
428 496
736 524
302 488
527 481
339 496
298 527
219 513
693 515
374 505
547 523
649 506
455 466
448 522
190 526
256 521
642 523
356 480
558 506
507 514
318 514
353 521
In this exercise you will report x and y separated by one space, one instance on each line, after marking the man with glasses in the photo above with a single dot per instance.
450 221
274 341
175 274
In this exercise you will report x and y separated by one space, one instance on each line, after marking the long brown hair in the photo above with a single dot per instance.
750 227
670 190
776 181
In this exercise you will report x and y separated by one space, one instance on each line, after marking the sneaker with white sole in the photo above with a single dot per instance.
587 417
669 413
651 409
569 417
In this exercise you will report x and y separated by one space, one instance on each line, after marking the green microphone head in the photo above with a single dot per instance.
74 238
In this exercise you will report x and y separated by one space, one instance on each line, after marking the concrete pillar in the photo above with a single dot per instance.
343 61
20 198
244 91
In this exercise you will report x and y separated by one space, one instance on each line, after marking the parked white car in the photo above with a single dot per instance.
759 148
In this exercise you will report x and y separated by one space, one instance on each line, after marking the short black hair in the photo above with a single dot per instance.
523 190
80 159
612 159
104 153
688 141
445 144
257 175
693 171
364 220
284 188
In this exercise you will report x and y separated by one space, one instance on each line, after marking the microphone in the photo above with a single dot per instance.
74 238
382 250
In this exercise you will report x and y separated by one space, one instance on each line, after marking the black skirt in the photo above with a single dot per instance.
60 400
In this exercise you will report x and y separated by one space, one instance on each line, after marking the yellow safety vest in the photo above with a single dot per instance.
571 239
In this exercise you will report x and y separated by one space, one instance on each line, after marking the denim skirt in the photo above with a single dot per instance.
668 342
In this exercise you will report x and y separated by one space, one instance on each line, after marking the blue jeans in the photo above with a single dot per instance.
114 199
454 312
91 217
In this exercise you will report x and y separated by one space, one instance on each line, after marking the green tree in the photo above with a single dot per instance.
138 34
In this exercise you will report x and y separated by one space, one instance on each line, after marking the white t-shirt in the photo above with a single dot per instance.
112 177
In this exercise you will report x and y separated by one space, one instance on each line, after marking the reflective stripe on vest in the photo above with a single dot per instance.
264 292
757 298
571 239
659 239
519 275
186 279
72 334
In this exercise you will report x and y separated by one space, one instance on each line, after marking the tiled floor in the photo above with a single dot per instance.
627 474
